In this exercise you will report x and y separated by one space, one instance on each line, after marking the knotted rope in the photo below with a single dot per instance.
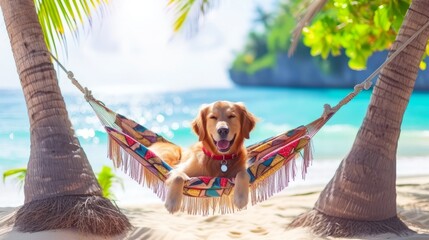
86 92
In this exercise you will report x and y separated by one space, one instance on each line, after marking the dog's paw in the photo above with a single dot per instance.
241 198
173 205
174 193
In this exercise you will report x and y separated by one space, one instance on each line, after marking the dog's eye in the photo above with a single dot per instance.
213 117
231 116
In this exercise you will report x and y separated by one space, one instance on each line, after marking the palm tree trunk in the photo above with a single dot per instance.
60 183
361 197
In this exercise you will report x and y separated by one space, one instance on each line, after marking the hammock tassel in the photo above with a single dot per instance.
131 166
274 181
113 152
307 159
209 205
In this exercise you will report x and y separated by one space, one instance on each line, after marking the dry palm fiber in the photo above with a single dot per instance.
88 214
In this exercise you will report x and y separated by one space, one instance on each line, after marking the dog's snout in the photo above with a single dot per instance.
223 132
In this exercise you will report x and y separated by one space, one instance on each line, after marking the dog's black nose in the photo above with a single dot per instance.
223 132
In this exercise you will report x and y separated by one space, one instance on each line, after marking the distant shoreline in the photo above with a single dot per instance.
309 72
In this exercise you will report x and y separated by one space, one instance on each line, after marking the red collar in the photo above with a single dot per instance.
219 157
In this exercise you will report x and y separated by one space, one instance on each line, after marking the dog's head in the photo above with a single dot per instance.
222 126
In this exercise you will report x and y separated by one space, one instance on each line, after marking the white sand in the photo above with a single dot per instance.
266 220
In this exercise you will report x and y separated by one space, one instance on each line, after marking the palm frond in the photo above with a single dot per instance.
187 13
57 18
17 173
107 179
312 10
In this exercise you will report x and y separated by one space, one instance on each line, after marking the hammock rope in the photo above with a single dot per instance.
271 162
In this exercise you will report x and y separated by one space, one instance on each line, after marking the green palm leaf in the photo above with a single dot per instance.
107 179
58 17
17 173
187 13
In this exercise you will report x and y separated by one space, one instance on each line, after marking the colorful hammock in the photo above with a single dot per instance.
271 163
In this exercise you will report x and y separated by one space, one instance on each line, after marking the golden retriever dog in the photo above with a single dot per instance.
221 128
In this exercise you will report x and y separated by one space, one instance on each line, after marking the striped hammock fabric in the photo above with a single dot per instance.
271 163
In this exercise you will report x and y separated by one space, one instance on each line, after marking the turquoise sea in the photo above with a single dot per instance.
170 114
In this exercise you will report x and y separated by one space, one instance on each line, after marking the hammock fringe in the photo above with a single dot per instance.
274 183
307 159
208 205
134 169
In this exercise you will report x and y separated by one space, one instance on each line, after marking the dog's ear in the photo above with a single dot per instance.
248 120
199 123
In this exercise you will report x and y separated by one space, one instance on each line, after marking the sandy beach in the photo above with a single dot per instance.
266 220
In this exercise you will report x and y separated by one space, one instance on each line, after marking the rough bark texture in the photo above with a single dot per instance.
363 188
58 167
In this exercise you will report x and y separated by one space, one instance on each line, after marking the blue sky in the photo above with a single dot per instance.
133 49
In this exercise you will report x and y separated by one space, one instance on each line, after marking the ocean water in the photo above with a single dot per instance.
170 114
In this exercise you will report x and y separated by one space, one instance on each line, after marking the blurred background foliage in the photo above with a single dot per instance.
354 28
106 178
